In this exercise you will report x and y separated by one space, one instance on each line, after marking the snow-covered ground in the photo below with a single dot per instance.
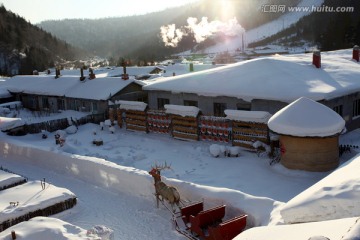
115 190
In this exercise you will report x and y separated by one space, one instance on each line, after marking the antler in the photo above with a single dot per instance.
162 167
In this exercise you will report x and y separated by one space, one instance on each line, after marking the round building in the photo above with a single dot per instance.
309 135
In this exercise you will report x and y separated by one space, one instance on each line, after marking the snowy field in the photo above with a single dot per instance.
114 189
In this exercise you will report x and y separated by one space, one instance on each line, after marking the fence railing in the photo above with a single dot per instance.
56 124
202 127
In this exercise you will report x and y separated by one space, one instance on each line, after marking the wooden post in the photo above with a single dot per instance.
13 235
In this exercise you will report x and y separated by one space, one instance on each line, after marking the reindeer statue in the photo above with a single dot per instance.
169 193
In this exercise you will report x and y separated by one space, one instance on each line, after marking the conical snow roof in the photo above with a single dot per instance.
306 118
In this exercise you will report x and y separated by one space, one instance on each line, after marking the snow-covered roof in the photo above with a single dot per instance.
24 194
10 123
248 116
306 118
280 78
131 105
184 111
335 196
168 71
100 88
8 179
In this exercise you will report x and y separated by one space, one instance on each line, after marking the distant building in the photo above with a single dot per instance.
50 94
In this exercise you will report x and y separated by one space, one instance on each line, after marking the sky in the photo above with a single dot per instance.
36 11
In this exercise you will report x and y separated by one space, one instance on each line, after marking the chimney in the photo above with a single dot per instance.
317 59
82 78
356 53
125 76
91 74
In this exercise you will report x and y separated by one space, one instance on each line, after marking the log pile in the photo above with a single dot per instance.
244 134
136 120
185 128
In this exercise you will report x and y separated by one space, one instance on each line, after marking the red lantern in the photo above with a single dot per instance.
203 130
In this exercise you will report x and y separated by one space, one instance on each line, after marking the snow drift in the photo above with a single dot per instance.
336 196
139 183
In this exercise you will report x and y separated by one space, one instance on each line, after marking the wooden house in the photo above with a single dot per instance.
267 84
50 94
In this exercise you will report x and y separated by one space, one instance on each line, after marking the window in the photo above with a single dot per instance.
356 108
45 102
190 103
162 102
243 106
71 104
94 107
31 103
61 104
219 109
338 109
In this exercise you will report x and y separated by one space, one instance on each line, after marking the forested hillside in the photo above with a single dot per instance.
138 37
327 30
25 47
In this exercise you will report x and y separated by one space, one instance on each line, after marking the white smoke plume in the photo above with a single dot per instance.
171 35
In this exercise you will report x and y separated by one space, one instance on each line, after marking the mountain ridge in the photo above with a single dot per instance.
134 35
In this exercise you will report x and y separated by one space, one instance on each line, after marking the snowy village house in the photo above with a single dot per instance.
268 84
51 94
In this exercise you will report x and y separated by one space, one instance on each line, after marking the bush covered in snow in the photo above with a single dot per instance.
217 150
71 130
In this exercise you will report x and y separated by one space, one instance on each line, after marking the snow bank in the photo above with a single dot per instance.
354 232
132 105
334 229
305 117
335 196
47 228
139 183
182 110
248 116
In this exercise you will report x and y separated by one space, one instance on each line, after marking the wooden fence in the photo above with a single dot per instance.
53 125
204 128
